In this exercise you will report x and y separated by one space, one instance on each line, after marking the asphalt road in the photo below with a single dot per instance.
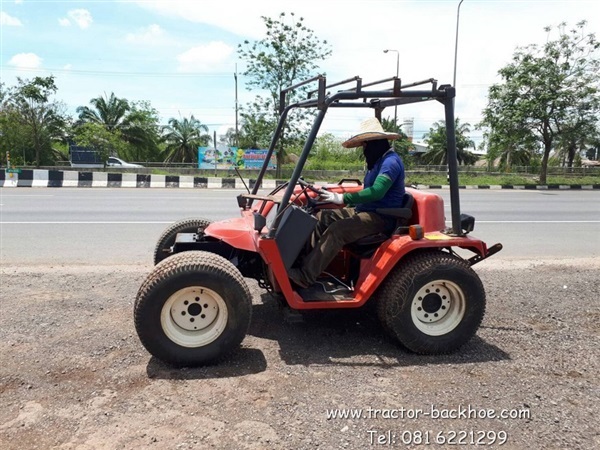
120 226
74 374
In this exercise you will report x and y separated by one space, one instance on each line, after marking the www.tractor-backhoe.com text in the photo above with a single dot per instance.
432 412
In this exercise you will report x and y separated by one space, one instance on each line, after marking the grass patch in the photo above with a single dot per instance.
423 178
495 180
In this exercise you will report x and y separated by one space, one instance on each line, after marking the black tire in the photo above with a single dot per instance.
193 308
167 239
432 303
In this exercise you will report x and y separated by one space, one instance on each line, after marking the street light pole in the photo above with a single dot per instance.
456 43
397 74
237 134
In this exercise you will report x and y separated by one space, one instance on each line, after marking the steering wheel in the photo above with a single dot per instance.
311 203
306 185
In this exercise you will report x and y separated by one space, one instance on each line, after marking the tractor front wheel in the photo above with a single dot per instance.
432 303
193 308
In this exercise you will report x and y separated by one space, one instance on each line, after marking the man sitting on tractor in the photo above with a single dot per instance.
383 188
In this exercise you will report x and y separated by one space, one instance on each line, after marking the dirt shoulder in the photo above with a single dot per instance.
73 374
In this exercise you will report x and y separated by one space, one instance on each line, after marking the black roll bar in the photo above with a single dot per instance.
380 99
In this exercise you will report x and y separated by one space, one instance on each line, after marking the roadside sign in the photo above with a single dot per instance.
13 170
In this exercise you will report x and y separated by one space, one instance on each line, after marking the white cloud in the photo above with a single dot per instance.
204 57
150 35
26 61
9 21
82 17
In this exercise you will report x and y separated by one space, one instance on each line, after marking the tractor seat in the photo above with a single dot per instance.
366 246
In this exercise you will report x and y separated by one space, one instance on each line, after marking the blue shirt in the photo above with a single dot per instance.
391 166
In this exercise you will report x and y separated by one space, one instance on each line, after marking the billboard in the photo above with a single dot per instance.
229 157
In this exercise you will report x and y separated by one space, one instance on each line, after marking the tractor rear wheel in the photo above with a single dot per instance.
432 303
193 308
167 239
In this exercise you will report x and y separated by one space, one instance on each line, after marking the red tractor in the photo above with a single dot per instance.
195 305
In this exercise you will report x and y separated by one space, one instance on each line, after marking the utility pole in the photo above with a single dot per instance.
397 74
456 43
237 136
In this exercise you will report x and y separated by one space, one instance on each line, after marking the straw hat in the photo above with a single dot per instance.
370 130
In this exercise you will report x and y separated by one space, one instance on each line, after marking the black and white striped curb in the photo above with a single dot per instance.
530 187
59 178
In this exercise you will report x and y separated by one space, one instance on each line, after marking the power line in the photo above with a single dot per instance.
118 73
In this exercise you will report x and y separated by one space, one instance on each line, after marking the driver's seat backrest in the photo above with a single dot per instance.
402 215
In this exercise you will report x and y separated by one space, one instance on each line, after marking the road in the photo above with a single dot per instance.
120 226
75 375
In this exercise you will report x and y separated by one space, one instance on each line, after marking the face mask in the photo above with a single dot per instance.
373 150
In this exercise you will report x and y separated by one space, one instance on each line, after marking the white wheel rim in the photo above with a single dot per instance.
194 316
438 307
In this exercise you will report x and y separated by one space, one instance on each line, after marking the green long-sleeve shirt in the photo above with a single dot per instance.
370 194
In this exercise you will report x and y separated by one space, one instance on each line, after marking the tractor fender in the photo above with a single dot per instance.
391 253
238 233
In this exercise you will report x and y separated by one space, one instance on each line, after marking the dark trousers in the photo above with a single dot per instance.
336 228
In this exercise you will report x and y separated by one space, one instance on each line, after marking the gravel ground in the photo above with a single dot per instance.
73 374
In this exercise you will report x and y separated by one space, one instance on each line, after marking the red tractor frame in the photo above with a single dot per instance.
195 305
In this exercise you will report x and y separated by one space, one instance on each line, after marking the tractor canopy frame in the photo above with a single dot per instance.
372 95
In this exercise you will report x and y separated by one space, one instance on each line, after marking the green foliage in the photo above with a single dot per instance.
94 135
183 137
257 129
109 112
136 123
328 154
289 53
229 138
438 149
31 121
549 97
403 145
142 131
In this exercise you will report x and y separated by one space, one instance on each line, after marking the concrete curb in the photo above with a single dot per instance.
59 178
528 187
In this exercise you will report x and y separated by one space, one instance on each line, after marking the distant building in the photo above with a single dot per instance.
420 147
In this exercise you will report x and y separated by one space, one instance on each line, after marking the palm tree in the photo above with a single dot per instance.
136 124
109 112
436 141
183 137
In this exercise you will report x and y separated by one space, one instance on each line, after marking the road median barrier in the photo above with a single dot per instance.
71 178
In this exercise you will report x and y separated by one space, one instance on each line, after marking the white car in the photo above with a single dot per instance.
118 162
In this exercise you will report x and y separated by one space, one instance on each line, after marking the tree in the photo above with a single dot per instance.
549 94
403 145
289 53
183 137
437 142
256 128
142 131
229 138
43 120
109 112
137 124
513 146
105 142
576 133
14 138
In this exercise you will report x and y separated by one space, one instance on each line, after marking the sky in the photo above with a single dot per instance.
181 56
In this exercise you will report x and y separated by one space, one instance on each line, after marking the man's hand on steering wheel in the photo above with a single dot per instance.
332 197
